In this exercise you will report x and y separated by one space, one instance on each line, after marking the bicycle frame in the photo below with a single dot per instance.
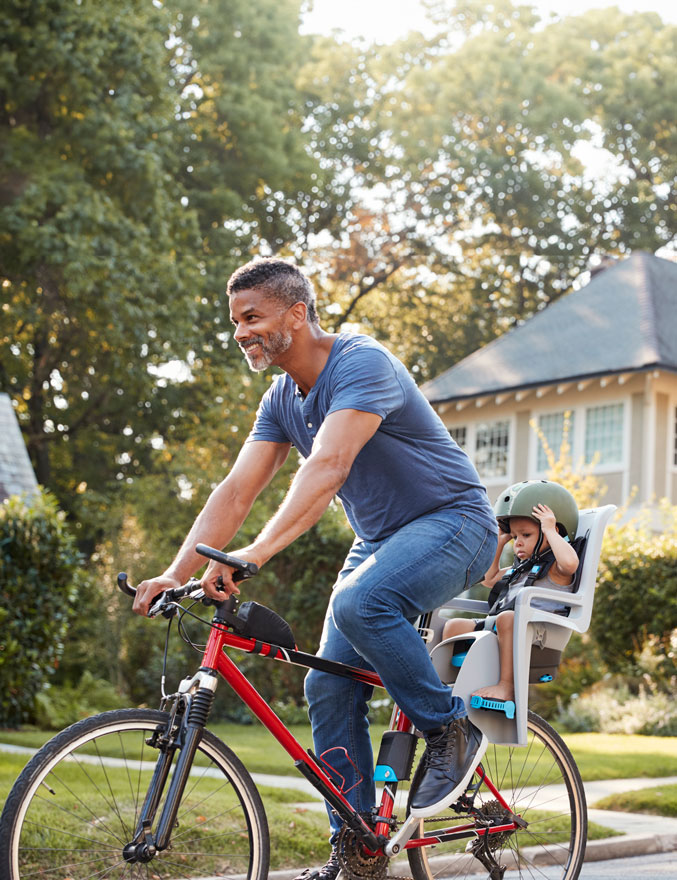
216 662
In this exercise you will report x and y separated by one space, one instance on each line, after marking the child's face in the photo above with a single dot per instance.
525 532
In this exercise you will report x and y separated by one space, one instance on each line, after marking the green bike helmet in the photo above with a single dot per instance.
520 499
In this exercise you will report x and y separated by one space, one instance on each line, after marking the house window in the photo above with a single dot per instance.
552 428
604 434
460 435
491 449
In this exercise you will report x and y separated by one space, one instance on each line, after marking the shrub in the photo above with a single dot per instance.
635 604
615 709
58 706
40 575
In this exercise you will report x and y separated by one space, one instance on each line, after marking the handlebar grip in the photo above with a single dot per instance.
242 569
124 585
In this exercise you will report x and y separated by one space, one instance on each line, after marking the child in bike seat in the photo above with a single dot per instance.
541 517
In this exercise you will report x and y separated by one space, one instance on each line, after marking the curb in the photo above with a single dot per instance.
630 845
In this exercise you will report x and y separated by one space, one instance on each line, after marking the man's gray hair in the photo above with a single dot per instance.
278 280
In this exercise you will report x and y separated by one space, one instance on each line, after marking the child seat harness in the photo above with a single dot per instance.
537 566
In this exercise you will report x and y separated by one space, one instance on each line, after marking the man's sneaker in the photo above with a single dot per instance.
330 871
452 753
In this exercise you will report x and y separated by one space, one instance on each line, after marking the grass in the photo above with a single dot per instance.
658 801
83 808
255 747
624 757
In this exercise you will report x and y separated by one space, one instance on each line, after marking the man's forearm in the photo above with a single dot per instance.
315 484
217 523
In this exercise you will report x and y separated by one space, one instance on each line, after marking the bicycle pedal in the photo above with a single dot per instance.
507 706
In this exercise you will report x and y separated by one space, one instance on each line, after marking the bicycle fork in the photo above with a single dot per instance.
145 844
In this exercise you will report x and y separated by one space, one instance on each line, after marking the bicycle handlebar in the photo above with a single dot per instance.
242 571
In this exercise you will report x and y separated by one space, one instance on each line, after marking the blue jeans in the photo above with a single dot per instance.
381 590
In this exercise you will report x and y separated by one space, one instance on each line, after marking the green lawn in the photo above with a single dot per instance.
297 835
622 756
658 801
614 756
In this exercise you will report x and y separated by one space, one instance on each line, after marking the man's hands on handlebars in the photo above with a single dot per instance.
218 581
148 590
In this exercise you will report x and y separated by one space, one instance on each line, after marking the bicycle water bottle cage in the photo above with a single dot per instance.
255 621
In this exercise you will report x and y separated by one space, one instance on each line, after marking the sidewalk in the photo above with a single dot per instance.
643 834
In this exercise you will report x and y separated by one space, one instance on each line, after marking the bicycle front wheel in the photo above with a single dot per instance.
76 804
541 784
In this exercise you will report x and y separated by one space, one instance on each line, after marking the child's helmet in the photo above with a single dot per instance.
520 499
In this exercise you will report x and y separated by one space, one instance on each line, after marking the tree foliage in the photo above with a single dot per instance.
41 577
97 249
491 163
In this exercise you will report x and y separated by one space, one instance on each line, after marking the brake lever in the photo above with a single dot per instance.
166 603
163 605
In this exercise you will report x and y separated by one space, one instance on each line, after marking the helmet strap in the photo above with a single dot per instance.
539 543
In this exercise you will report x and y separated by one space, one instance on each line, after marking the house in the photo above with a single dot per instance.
607 355
16 472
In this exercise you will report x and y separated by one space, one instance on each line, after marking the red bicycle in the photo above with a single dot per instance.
154 794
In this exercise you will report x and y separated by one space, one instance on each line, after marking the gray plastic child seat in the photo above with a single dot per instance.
535 630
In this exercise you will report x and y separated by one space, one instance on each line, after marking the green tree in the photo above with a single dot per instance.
247 166
41 577
96 265
469 163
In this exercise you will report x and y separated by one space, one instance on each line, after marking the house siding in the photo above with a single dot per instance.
637 476
649 402
661 485
522 442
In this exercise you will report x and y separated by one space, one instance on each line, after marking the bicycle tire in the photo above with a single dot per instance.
542 784
75 805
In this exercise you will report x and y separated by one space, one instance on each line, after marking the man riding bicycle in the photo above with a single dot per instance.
424 527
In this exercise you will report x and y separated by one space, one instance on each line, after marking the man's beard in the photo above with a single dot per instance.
266 353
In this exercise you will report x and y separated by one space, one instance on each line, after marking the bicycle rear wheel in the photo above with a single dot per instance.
542 785
76 803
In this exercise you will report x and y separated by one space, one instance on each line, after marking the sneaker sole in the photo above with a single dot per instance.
431 809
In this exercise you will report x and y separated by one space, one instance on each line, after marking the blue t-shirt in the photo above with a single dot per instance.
410 467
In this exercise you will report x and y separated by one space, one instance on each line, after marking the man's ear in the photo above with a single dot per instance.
299 314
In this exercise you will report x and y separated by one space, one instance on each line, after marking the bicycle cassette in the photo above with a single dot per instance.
355 862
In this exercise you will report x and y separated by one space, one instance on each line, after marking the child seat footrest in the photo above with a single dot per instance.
507 706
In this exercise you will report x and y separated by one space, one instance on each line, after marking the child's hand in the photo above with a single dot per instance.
546 517
503 539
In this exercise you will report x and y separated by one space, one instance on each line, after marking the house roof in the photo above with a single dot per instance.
16 471
624 320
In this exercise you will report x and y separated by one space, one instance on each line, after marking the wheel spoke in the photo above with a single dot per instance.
541 784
